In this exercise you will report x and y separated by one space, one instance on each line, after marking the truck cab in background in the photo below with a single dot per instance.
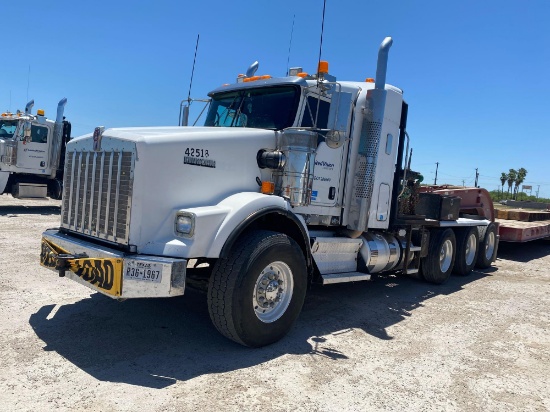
32 153
292 180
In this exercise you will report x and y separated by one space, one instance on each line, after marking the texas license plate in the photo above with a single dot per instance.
145 271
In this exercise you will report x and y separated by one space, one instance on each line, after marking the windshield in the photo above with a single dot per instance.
7 128
267 108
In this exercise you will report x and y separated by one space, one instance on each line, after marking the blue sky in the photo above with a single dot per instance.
475 73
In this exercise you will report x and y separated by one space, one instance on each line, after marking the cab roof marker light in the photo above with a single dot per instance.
369 80
293 71
302 74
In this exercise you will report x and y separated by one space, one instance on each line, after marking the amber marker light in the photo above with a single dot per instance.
265 77
369 80
302 75
40 112
323 67
268 188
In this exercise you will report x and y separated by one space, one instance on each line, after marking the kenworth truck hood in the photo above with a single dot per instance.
159 170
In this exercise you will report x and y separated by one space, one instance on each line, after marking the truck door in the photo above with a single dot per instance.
329 162
34 154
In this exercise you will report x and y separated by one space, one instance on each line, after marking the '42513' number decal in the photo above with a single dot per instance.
192 152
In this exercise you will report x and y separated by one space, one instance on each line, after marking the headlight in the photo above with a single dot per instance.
185 224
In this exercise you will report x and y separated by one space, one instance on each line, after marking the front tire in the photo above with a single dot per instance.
467 241
256 294
438 265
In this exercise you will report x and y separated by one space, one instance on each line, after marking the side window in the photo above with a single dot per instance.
39 134
310 111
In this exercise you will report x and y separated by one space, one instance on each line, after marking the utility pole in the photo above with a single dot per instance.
463 183
436 167
538 187
477 175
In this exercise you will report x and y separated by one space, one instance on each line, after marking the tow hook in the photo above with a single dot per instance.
62 262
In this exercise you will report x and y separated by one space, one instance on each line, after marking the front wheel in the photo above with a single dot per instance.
256 294
438 264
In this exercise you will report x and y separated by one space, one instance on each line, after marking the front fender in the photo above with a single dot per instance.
214 225
242 206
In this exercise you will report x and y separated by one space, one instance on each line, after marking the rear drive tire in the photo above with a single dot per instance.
487 247
438 265
467 241
256 294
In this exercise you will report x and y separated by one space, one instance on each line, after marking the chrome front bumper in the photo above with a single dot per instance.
114 273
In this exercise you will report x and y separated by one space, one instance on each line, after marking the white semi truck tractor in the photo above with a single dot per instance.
291 181
32 153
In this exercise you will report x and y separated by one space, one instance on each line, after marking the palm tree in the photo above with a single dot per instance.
503 179
520 178
511 177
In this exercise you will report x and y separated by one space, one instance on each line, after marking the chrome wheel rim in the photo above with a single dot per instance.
471 247
273 292
490 245
446 256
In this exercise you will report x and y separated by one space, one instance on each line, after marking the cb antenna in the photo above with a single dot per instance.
321 42
193 70
290 44
184 110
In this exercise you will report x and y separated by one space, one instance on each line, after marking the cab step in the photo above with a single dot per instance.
329 278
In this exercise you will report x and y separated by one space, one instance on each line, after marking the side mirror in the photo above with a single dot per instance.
338 117
27 132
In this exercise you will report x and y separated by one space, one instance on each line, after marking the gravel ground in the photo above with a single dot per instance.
480 342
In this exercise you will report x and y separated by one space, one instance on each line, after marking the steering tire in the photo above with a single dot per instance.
256 294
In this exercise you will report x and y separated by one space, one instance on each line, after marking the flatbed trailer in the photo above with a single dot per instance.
523 225
514 225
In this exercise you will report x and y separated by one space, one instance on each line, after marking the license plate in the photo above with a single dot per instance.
103 273
145 271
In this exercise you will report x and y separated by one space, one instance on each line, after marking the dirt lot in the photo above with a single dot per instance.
480 342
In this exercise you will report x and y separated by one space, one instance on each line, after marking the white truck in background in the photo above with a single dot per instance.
292 180
32 153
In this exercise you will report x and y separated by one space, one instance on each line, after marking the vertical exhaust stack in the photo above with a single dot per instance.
57 136
369 144
28 107
60 110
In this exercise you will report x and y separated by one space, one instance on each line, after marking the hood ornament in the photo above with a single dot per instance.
98 135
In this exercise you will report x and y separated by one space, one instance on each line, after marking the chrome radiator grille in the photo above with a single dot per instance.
97 194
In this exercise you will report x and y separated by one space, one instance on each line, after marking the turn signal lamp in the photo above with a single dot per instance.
268 188
369 80
323 67
40 112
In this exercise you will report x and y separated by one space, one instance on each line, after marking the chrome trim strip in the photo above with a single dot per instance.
109 195
76 203
85 195
71 191
92 195
119 172
100 192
